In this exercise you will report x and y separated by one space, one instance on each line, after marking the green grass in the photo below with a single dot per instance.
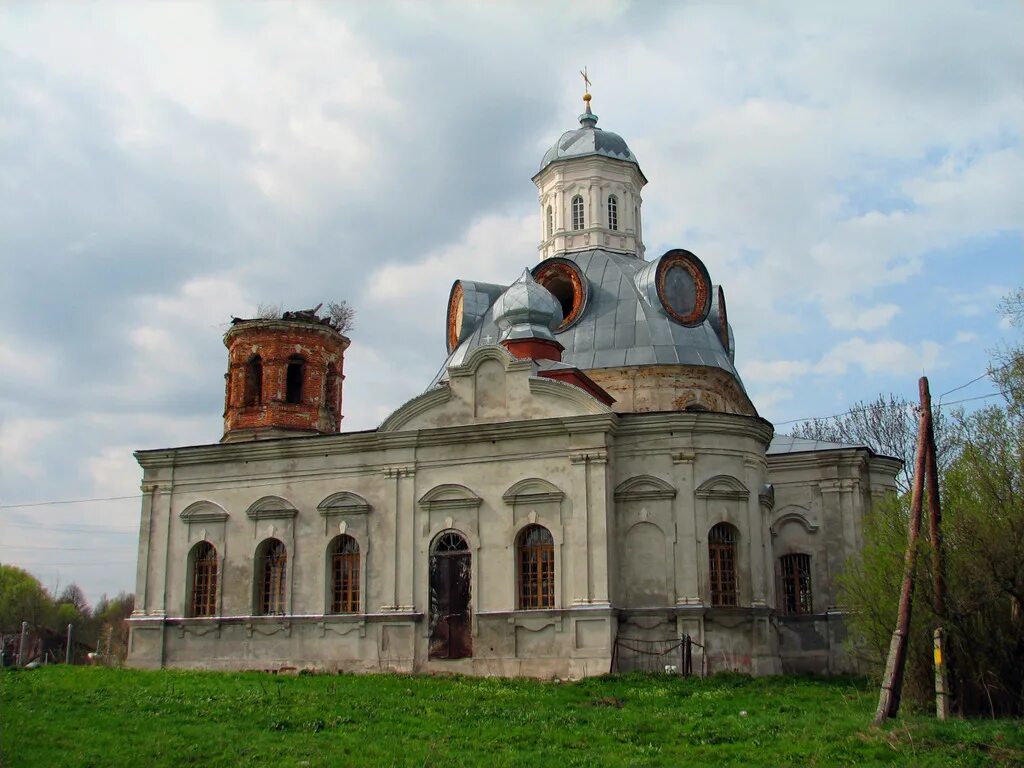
59 716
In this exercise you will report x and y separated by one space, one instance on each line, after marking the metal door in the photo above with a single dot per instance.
450 576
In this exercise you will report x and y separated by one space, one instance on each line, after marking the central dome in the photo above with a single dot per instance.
588 140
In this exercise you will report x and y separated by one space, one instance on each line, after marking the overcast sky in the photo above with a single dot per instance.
853 176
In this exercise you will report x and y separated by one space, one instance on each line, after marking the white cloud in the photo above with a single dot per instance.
491 250
872 357
852 318
24 446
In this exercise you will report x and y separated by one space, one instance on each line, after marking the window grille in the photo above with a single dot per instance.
274 564
345 575
536 568
613 213
204 580
722 562
577 212
293 379
551 221
796 584
450 542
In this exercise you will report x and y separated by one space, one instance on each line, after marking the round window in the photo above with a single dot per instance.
566 283
684 287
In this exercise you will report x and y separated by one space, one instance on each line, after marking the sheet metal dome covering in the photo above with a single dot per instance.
588 140
620 326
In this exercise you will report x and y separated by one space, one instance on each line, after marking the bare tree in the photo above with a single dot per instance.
268 311
342 315
887 425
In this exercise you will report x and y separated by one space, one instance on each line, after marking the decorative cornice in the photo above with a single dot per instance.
344 503
532 490
203 512
271 508
722 487
592 457
644 487
450 496
415 407
399 470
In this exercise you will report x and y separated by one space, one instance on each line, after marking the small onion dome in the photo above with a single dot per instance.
527 310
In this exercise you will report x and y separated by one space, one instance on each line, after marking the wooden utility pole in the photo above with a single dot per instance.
939 575
892 681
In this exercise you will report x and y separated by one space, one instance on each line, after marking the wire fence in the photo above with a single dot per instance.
669 656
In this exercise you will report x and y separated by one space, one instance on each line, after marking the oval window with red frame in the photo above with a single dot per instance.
565 281
684 287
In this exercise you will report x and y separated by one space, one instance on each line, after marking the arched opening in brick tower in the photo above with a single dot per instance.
252 394
293 379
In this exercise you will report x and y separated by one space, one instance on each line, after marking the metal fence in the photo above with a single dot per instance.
670 656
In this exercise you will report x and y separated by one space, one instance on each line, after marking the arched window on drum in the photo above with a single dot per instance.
577 212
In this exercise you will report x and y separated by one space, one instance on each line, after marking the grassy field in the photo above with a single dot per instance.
58 716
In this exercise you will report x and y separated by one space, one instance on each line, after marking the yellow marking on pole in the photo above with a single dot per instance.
938 657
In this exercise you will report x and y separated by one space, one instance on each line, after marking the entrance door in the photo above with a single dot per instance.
450 573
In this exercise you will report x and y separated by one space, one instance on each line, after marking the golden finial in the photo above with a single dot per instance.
586 84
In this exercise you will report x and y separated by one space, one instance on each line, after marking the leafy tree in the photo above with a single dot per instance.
982 492
22 598
75 597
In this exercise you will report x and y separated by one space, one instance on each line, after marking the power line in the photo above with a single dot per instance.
868 408
73 528
68 501
972 381
64 549
316 479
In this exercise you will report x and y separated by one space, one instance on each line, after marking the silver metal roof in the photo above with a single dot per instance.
788 444
588 140
527 310
618 326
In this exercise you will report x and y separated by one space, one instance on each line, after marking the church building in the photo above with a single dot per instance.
586 474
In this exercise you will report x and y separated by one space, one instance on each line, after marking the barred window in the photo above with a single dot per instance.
252 394
551 221
796 584
204 580
577 212
293 379
613 212
536 572
272 566
722 563
344 575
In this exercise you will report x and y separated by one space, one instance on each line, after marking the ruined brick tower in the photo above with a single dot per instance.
284 377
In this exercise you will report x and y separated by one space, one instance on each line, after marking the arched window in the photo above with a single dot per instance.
551 221
536 568
271 569
796 584
253 391
344 554
613 212
293 379
577 212
722 563
204 580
